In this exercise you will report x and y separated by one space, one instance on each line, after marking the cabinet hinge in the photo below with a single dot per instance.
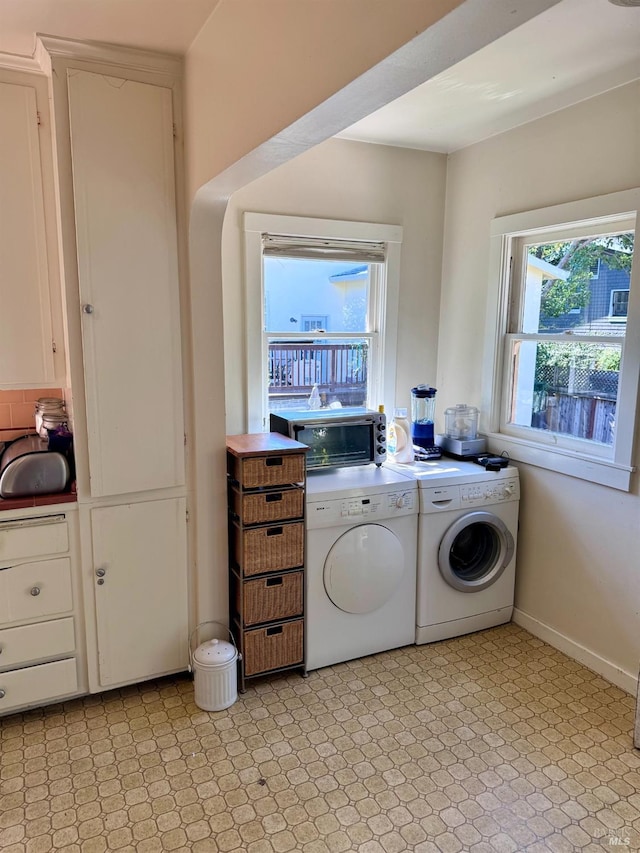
38 118
186 514
175 132
185 439
54 348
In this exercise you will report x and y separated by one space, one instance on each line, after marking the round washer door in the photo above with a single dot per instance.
475 551
364 568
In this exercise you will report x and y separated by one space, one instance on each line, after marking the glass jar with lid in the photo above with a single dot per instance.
52 407
461 422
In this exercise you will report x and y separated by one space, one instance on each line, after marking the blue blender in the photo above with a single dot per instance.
423 410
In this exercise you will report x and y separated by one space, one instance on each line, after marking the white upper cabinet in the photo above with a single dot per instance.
26 340
122 155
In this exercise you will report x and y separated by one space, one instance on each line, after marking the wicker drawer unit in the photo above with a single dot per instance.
275 470
270 549
273 647
270 598
265 506
266 475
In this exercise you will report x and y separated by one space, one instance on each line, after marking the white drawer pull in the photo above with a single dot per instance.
35 590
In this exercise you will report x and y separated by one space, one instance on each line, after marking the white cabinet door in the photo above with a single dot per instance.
124 192
141 605
26 353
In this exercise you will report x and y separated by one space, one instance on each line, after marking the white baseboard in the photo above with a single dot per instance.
626 681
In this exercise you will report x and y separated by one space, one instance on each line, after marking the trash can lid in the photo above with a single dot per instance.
215 652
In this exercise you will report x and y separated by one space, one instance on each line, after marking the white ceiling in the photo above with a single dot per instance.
168 26
575 50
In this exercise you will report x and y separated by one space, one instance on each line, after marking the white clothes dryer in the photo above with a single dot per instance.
361 563
467 537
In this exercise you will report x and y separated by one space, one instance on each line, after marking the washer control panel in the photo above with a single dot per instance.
482 493
489 493
368 508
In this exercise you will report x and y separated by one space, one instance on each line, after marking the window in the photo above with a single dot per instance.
322 301
311 324
561 379
619 307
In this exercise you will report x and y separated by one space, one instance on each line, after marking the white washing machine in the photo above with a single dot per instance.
467 536
361 563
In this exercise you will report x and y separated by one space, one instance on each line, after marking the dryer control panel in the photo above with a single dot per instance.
368 508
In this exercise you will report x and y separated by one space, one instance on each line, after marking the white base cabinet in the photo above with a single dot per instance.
40 634
139 581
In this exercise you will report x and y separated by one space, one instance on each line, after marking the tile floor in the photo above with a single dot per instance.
490 742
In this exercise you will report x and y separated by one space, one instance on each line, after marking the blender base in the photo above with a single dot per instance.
427 454
461 448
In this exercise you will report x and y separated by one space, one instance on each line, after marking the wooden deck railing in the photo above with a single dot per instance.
333 367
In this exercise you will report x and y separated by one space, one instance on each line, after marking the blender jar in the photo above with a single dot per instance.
423 409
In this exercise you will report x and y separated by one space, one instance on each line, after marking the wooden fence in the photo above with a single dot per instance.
579 402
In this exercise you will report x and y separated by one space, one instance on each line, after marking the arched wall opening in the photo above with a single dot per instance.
471 26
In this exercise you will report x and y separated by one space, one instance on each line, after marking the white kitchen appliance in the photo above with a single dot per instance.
467 536
28 467
361 563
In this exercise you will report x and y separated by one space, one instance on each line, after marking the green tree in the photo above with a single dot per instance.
579 257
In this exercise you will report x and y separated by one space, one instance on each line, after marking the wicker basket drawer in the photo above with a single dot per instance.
268 506
270 599
273 647
273 470
270 549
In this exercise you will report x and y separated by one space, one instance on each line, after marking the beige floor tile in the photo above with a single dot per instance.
486 743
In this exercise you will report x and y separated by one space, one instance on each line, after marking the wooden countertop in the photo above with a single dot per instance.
69 496
256 444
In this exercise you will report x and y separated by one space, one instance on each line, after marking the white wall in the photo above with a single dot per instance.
352 181
578 552
253 72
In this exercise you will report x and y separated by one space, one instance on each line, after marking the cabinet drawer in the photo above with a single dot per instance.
269 599
34 642
270 549
37 589
273 470
37 684
33 537
268 506
273 647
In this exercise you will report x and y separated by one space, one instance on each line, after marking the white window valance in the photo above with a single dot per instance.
319 248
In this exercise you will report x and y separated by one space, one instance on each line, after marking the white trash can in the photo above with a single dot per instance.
215 672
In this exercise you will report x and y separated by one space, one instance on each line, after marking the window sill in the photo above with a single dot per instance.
592 469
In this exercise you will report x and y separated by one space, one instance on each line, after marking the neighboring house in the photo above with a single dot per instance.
606 308
304 296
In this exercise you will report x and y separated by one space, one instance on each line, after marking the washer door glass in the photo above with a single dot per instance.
364 568
475 551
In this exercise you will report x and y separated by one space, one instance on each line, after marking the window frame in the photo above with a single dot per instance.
618 318
529 444
383 304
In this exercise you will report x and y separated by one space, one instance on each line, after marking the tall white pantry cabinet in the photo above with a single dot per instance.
116 118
